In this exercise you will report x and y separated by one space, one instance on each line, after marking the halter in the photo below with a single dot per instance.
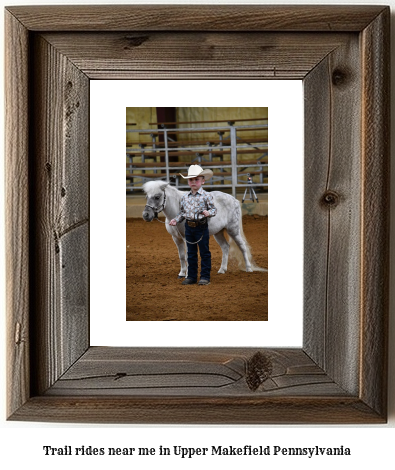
160 208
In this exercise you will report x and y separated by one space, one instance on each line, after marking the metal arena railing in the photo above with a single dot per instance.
222 151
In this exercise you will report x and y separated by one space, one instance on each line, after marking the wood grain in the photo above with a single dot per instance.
60 185
192 55
375 212
159 385
332 214
17 213
339 376
198 410
202 372
317 157
196 17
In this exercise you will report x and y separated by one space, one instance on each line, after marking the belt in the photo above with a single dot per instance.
192 223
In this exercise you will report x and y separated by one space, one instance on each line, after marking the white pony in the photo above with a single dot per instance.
161 197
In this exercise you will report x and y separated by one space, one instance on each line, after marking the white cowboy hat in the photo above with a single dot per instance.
196 170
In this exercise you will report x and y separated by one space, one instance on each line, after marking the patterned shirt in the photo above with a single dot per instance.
192 206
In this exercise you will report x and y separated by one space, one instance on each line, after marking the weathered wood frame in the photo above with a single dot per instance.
340 374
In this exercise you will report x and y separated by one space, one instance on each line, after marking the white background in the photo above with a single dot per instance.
107 216
21 443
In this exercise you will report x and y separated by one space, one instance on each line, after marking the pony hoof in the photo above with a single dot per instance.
249 270
221 271
181 277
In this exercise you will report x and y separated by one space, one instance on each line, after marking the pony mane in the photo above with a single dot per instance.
152 187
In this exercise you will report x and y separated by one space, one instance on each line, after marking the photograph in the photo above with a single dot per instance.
193 172
200 176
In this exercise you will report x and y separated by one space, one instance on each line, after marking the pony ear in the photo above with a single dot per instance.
164 186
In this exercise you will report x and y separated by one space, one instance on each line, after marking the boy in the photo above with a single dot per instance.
196 207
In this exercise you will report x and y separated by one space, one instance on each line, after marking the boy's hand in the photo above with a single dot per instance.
172 222
206 213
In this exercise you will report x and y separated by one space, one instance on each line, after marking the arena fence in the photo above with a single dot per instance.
237 154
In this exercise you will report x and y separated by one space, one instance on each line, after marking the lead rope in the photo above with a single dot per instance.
156 212
185 240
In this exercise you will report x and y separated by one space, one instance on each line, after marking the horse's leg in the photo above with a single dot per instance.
182 255
237 237
222 242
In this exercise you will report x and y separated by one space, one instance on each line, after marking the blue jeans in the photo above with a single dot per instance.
193 234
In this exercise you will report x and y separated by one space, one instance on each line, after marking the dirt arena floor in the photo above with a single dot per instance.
154 292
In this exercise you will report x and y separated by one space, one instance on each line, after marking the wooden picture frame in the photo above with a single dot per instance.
340 374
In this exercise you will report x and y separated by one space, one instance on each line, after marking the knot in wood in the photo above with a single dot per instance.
120 375
330 199
135 41
259 369
18 334
339 77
